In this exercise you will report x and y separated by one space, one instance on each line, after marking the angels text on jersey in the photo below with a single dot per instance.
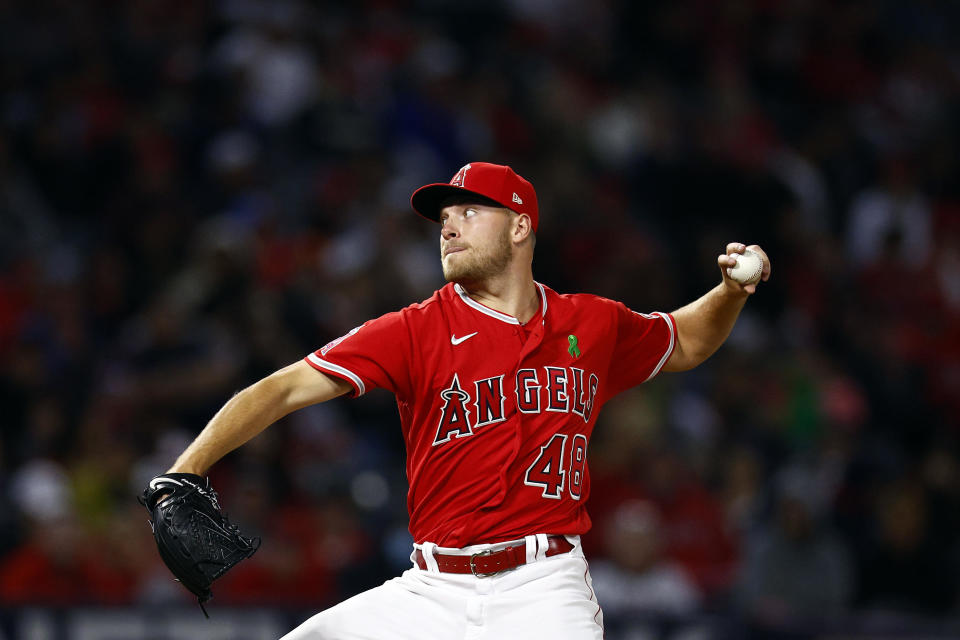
471 405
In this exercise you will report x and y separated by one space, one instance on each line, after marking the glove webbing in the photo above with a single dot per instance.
248 545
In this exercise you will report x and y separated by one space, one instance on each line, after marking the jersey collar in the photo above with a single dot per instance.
493 313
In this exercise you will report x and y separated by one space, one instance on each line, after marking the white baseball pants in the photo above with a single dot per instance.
549 598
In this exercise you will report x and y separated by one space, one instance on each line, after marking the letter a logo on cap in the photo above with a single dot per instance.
458 179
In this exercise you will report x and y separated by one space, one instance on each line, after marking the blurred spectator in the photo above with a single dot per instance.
903 569
50 568
285 572
694 533
891 221
741 492
796 568
635 576
693 526
277 68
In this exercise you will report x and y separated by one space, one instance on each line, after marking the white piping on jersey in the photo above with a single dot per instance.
493 313
354 378
666 356
543 296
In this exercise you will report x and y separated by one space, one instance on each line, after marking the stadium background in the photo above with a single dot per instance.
193 194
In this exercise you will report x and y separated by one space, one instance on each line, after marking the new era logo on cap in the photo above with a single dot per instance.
497 182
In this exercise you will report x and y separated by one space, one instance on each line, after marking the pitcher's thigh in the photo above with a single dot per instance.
391 611
558 606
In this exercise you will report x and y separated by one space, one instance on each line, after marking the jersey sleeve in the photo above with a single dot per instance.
644 344
373 355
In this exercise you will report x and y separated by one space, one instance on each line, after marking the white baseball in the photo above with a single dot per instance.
748 268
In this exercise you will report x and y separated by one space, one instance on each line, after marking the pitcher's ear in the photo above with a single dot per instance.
523 227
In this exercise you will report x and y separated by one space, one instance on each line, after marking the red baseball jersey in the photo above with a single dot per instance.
496 415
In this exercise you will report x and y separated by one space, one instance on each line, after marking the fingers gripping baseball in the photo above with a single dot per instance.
742 266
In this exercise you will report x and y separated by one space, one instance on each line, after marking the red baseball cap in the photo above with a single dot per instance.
497 182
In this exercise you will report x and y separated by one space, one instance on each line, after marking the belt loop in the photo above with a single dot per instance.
427 548
531 548
542 545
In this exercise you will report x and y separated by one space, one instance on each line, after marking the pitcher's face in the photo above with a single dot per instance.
474 242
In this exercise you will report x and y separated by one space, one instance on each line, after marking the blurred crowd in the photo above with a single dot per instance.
194 194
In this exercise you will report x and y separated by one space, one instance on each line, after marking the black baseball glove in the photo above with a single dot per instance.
196 541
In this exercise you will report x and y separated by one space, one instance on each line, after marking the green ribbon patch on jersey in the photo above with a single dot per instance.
574 349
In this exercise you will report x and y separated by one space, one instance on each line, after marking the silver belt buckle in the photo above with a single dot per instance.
473 567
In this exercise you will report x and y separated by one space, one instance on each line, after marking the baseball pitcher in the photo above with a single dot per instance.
499 380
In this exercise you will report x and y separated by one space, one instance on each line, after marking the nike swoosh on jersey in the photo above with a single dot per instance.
455 340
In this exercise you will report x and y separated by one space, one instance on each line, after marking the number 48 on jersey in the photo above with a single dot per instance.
555 468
